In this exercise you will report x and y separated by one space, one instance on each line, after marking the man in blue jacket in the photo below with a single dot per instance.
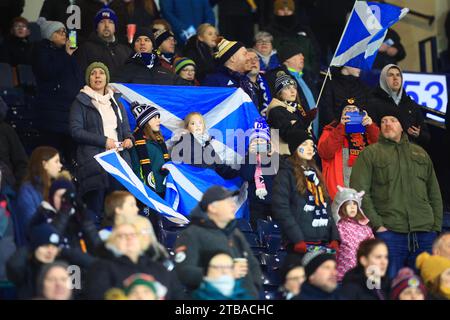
232 68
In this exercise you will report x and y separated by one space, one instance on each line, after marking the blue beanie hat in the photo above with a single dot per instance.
260 130
105 13
43 234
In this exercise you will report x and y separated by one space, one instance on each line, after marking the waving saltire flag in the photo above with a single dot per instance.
114 164
365 32
186 184
222 108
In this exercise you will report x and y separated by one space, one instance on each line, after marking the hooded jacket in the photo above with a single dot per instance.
402 191
330 148
410 112
352 232
203 235
288 211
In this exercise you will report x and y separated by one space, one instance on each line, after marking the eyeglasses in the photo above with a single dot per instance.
263 42
188 70
123 236
61 31
298 279
222 268
20 27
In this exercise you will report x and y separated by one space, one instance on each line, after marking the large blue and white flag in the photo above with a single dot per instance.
223 109
114 164
186 184
365 32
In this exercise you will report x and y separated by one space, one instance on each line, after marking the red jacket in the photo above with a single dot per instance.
330 147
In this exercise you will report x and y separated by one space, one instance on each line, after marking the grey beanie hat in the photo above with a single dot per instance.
347 194
49 27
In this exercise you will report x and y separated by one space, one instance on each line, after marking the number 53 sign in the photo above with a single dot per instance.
428 90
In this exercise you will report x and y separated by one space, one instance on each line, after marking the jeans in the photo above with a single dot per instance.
405 247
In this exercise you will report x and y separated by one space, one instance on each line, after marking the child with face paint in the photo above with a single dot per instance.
300 202
352 225
259 170
339 150
194 146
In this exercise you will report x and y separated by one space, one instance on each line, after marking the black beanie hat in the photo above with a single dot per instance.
206 257
313 260
296 139
142 31
226 49
290 262
287 50
161 36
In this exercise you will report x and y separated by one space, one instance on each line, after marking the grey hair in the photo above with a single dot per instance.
263 35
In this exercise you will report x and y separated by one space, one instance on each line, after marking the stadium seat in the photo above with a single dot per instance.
26 76
270 261
273 243
252 240
271 279
6 78
271 295
266 228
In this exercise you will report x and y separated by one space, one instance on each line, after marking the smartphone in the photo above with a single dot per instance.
73 39
355 123
119 146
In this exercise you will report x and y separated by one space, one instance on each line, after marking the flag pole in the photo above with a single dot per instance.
334 55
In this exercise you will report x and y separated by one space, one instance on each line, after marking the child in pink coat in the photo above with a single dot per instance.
352 226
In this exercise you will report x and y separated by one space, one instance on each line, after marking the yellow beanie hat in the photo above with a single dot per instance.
431 267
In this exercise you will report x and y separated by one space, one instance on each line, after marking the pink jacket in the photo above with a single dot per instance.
352 234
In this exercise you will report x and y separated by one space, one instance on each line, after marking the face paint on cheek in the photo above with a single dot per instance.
301 150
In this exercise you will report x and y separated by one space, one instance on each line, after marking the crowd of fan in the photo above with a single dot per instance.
351 205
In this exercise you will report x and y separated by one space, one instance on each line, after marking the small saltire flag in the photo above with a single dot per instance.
186 184
365 32
114 164
222 108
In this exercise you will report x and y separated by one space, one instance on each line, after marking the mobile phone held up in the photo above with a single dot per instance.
73 39
355 123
